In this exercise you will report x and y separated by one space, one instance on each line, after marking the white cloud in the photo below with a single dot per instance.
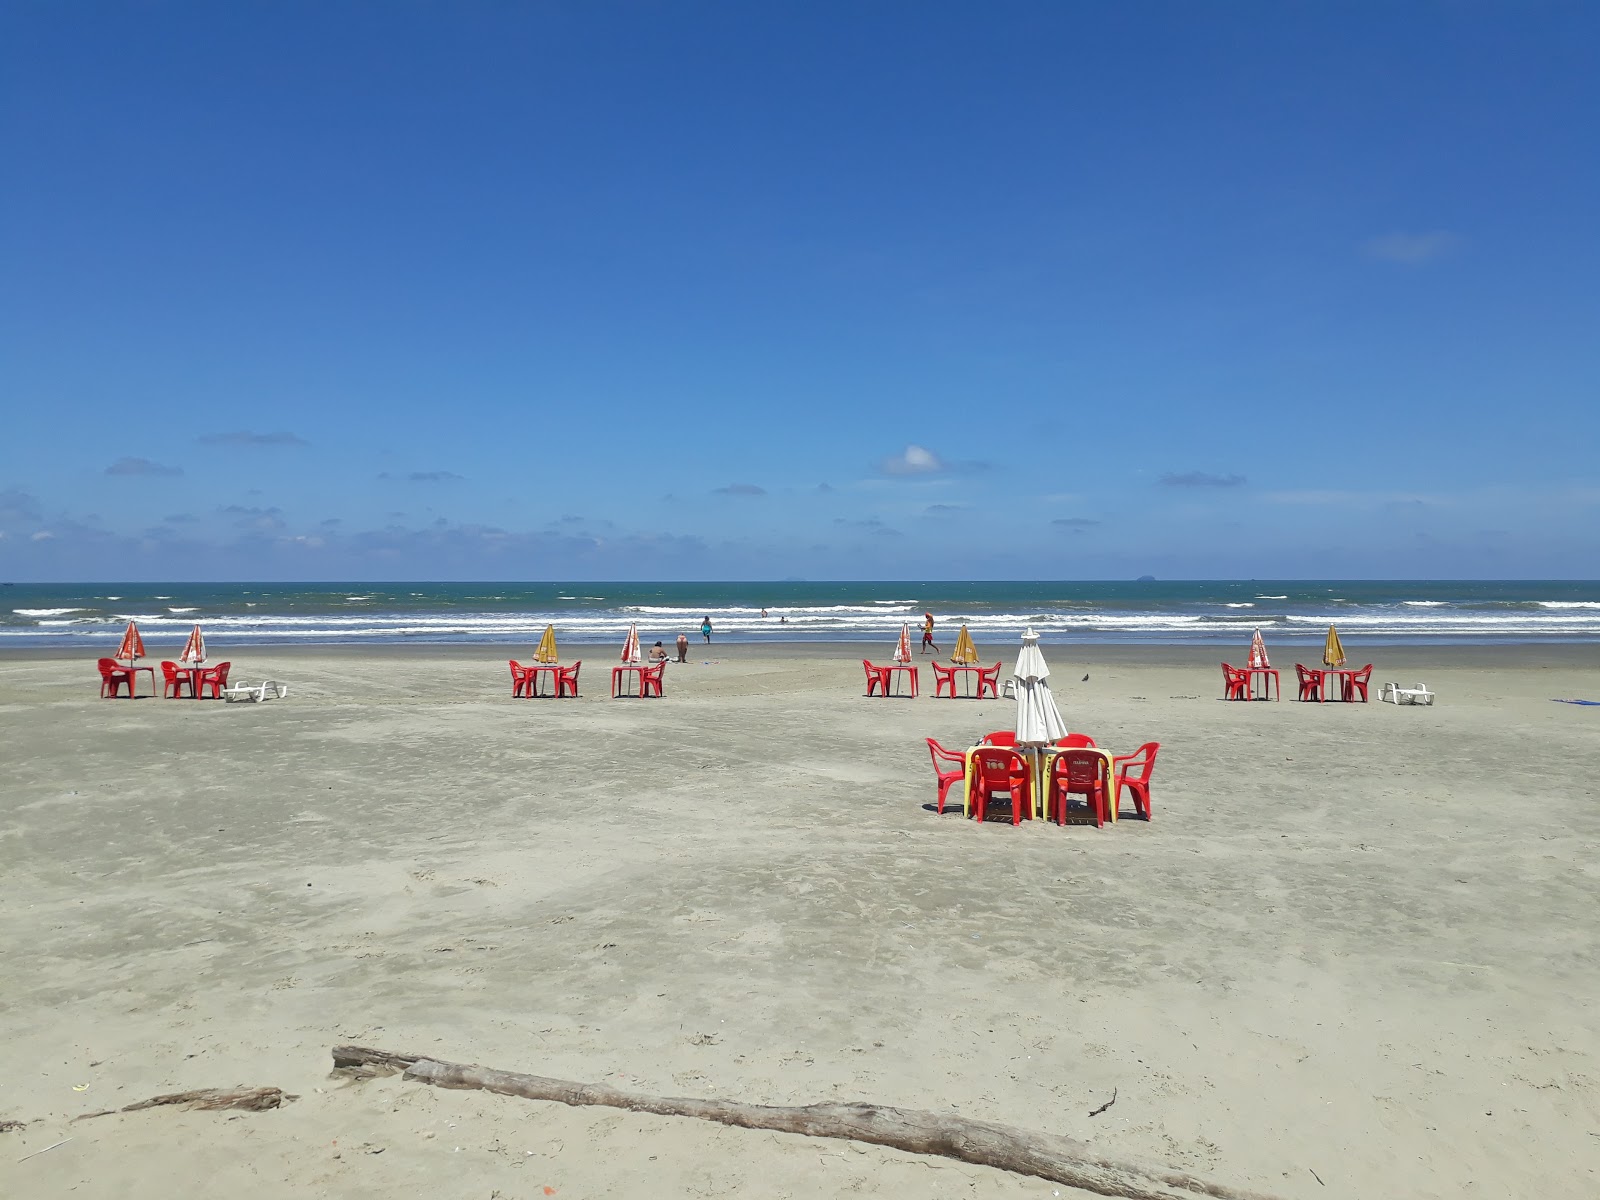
914 460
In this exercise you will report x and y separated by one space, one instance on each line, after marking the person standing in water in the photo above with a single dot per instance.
705 630
927 633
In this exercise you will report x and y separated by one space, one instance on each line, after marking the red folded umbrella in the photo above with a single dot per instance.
1258 653
194 650
132 647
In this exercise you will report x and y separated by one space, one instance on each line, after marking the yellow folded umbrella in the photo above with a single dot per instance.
1332 651
546 653
965 652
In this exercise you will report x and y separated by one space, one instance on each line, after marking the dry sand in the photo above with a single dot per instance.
1356 940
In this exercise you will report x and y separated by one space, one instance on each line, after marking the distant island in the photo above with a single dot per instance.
1145 579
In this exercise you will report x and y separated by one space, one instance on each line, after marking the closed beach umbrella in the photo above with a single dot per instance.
194 650
965 652
546 653
1332 651
902 650
1258 652
630 648
132 647
1039 721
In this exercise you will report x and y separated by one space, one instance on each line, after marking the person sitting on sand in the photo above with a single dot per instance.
658 653
683 647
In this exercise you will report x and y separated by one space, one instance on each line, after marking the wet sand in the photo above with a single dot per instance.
1356 940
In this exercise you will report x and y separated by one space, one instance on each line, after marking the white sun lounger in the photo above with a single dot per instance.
1395 694
270 690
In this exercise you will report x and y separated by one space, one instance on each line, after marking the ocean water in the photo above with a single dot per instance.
1186 612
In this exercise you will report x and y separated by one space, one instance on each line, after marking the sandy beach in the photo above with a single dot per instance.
1352 955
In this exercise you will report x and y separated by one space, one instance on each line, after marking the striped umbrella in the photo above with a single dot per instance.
630 648
194 650
132 647
1332 651
546 653
1258 653
965 652
902 650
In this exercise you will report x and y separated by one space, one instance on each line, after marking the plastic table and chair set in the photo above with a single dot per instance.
1073 781
1239 683
175 679
628 679
884 680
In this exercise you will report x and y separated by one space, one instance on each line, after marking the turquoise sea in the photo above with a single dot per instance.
1186 612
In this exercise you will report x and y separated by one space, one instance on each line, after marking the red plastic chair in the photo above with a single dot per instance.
567 680
1075 741
1000 737
1357 682
1235 683
215 678
1311 682
997 769
946 778
1133 772
113 675
877 679
521 676
174 679
652 679
1077 773
943 677
990 679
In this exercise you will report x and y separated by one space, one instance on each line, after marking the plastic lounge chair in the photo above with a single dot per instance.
989 678
174 679
943 678
1357 682
1000 737
1079 773
114 675
1235 683
997 769
246 693
1311 682
567 680
215 678
652 680
946 778
521 676
877 678
1075 741
1395 694
1133 772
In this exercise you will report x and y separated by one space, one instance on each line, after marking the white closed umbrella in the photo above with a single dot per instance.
1039 721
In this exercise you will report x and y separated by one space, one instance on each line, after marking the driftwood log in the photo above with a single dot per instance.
258 1099
1046 1156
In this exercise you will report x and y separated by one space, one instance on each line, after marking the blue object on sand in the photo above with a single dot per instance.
1585 703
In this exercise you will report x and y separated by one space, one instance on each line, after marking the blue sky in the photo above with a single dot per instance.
680 290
